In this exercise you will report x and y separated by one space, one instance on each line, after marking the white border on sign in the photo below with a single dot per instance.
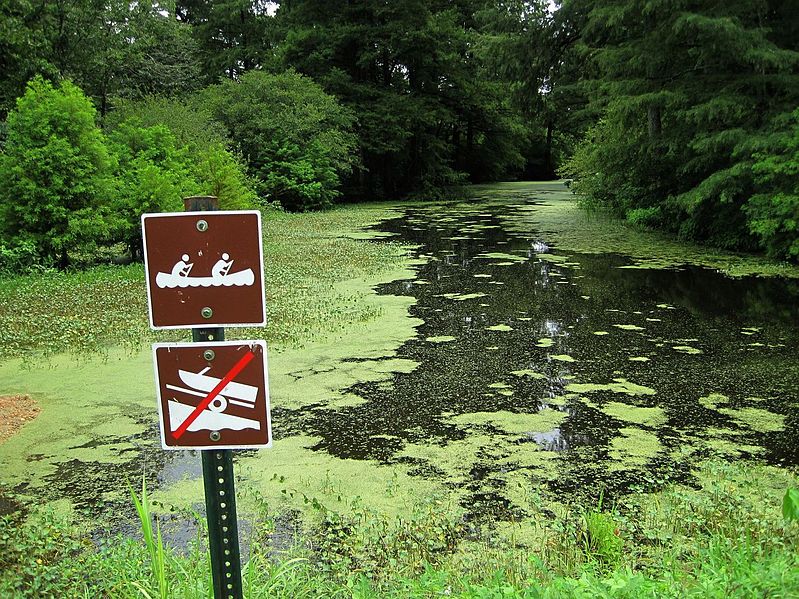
212 344
204 324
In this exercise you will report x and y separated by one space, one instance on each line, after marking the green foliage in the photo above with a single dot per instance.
773 213
54 172
218 170
189 120
153 175
600 538
297 140
688 95
154 543
38 557
221 173
305 255
20 257
790 504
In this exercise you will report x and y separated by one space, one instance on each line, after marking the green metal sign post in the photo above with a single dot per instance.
220 507
218 481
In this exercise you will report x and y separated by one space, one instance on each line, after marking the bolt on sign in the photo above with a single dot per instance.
204 269
213 395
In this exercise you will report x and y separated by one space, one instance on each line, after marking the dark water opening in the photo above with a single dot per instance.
709 352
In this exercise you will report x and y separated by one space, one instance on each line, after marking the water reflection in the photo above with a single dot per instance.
530 323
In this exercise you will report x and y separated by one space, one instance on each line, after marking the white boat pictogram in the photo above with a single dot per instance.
208 420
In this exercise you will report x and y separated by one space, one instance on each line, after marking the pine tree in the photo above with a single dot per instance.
686 88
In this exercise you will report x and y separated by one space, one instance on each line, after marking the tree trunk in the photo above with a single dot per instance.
653 118
548 166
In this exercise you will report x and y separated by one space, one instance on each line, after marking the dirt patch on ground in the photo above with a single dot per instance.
15 411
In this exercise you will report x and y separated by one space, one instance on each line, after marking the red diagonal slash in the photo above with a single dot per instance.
246 358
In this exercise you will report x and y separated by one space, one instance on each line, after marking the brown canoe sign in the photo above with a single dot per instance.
204 269
213 395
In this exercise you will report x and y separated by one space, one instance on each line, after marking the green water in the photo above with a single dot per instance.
531 349
566 370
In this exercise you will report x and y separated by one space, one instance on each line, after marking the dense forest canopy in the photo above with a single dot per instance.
682 115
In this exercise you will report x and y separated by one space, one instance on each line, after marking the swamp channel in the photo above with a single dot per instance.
551 361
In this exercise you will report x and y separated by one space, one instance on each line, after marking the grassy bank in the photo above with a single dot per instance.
725 538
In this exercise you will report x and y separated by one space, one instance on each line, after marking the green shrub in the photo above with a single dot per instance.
54 172
296 140
38 557
153 175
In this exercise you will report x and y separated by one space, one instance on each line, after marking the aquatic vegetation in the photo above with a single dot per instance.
619 385
440 338
629 327
459 297
633 447
756 419
406 390
562 358
529 373
653 417
687 349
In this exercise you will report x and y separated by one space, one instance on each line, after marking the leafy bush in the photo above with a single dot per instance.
218 171
153 175
296 140
790 504
20 257
645 217
54 172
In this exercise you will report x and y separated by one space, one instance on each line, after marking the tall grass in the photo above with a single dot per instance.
154 543
725 539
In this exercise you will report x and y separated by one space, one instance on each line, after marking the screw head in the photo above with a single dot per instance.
209 354
202 225
215 436
207 312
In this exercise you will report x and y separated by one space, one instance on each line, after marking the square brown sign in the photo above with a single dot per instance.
204 269
232 375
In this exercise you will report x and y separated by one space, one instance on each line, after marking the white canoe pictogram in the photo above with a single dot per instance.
243 278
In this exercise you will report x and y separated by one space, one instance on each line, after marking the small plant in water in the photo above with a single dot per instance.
600 538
